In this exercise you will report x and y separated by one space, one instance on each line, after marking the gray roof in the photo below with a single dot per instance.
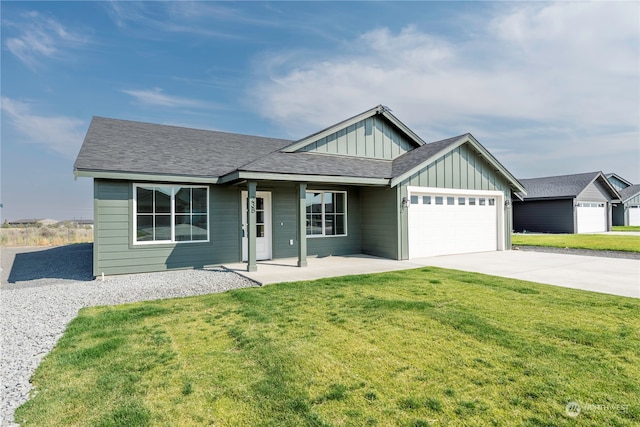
629 192
125 146
413 158
558 187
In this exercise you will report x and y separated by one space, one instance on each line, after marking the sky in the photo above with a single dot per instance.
550 88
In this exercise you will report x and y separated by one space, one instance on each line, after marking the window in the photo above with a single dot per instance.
438 200
426 200
414 200
327 213
451 200
481 201
461 200
472 201
492 202
169 214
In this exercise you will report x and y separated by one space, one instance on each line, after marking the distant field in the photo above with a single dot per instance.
601 242
46 235
625 228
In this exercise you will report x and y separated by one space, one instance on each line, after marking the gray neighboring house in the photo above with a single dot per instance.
168 197
627 212
579 203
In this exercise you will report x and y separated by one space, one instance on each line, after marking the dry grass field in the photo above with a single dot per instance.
46 235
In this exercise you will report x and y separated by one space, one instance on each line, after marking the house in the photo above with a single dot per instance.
580 203
168 197
32 222
627 212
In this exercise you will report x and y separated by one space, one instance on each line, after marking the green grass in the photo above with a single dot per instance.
605 242
625 228
412 348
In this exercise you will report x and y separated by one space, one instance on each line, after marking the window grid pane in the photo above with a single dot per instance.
325 213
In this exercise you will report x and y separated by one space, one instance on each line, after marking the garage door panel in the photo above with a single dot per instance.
634 215
591 217
451 229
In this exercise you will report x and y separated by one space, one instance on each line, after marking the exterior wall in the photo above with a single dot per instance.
114 252
379 222
634 201
339 245
374 138
461 168
595 192
544 216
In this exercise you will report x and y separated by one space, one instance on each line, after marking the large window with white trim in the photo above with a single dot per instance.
170 213
326 213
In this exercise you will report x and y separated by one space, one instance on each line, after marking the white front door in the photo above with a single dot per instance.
263 226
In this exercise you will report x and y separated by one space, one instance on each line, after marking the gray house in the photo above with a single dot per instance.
167 197
627 212
580 203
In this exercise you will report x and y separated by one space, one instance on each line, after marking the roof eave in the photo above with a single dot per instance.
141 176
274 176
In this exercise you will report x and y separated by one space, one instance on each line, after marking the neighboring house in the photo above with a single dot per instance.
627 212
167 197
617 181
32 222
578 203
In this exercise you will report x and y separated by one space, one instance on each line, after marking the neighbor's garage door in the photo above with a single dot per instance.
592 217
451 224
634 215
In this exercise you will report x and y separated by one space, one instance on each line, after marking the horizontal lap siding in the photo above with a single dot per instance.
544 216
379 222
340 245
114 252
595 192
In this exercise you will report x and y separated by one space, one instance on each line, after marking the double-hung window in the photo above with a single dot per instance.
326 213
169 213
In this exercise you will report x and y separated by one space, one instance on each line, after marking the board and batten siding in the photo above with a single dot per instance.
115 253
461 168
544 216
374 137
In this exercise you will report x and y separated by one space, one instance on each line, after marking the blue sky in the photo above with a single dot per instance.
548 88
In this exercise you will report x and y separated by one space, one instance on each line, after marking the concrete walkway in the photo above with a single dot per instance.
606 275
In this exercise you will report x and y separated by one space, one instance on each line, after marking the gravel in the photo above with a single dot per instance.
42 291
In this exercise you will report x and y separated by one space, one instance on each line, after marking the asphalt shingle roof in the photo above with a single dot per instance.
126 146
557 186
629 192
413 158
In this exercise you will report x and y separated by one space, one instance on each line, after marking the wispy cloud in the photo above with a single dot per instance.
36 36
61 134
157 97
535 68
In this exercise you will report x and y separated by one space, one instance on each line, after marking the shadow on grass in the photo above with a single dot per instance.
70 262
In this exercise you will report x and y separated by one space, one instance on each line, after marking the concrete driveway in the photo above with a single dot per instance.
607 275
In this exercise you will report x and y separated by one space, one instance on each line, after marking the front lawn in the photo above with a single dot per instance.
411 348
626 228
603 242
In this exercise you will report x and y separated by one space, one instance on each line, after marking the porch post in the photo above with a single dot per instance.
251 226
302 224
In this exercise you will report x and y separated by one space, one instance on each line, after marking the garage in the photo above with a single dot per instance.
454 222
591 217
634 215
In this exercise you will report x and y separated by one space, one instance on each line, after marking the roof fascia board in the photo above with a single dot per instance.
612 190
352 121
271 176
145 177
468 138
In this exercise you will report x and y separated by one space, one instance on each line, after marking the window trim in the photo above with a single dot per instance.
346 217
172 214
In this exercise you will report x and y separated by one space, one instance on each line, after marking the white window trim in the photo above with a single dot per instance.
346 228
173 215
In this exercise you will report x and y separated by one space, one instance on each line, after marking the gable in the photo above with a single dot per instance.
462 168
373 137
594 192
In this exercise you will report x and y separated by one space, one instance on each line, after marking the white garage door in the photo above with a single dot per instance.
592 217
442 224
634 215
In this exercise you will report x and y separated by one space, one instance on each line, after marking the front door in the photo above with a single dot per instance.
263 226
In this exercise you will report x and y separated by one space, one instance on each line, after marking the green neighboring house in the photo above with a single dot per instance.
168 197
